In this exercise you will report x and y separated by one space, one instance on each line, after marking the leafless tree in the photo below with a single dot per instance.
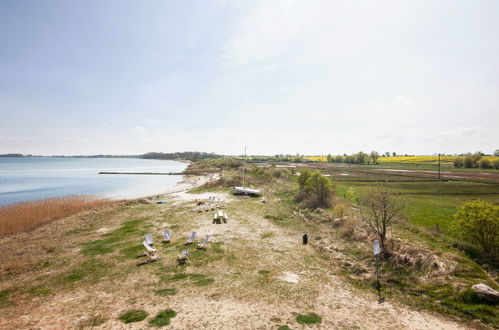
380 208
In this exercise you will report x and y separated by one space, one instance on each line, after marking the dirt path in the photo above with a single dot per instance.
260 276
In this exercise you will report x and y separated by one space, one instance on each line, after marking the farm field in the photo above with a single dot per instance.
430 202
408 160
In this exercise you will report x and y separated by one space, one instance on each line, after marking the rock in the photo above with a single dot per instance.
486 291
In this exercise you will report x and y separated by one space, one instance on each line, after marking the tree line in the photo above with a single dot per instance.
474 160
358 158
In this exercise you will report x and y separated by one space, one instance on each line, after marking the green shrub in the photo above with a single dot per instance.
310 318
485 163
134 315
477 223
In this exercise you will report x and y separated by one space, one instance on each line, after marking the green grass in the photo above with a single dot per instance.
283 327
267 235
39 291
163 318
4 298
204 282
166 292
264 272
310 318
134 315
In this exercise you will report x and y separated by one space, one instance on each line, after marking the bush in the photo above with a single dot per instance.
303 177
340 210
495 164
477 223
458 162
320 189
485 163
468 161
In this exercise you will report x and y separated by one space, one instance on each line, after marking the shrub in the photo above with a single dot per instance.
468 161
317 191
340 210
134 315
347 229
477 223
303 177
495 164
485 163
458 162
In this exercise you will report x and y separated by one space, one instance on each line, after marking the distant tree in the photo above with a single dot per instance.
477 222
496 153
360 157
485 163
303 177
329 158
458 162
394 154
387 154
374 156
471 160
495 164
380 208
319 186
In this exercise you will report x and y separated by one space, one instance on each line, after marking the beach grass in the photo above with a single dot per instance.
26 216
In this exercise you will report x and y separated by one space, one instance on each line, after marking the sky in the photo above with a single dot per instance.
280 77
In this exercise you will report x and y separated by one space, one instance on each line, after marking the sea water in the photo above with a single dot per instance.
23 179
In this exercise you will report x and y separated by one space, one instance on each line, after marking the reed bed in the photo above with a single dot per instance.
26 216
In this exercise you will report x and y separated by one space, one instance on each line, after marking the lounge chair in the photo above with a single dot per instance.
203 244
149 239
182 258
149 253
166 236
149 249
191 239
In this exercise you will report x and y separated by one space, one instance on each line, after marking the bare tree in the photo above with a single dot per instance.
380 208
374 157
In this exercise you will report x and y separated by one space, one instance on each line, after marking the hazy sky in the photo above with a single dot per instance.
308 77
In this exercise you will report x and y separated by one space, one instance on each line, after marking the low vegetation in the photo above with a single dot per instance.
477 223
134 315
25 216
163 318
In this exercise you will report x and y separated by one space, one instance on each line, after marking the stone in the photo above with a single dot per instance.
486 291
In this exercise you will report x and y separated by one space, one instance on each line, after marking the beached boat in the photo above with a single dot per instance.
246 191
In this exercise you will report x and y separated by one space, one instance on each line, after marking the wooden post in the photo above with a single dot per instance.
438 167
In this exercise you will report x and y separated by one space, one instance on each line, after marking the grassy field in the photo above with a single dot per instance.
81 271
408 160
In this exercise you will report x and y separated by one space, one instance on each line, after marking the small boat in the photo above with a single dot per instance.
246 191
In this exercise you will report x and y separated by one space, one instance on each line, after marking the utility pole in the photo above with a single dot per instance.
438 167
244 163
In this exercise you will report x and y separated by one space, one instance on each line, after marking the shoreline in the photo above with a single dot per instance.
187 183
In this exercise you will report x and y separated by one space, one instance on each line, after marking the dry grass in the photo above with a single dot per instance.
25 216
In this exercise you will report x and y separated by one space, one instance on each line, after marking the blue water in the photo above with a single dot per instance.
23 179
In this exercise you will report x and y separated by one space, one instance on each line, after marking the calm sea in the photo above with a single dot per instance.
23 179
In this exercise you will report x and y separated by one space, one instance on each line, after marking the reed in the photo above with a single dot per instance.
25 216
